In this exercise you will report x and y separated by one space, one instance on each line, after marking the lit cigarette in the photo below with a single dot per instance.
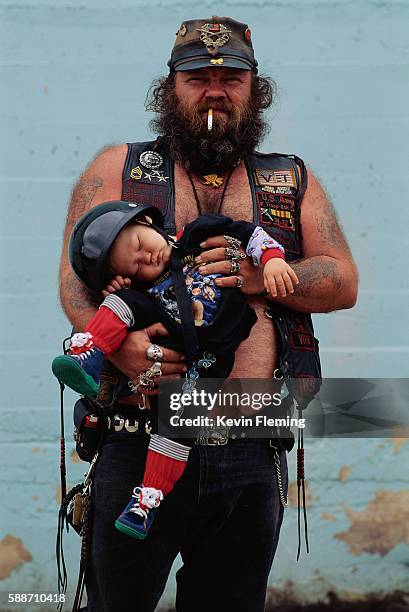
210 120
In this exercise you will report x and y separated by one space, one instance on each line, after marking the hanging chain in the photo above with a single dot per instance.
284 500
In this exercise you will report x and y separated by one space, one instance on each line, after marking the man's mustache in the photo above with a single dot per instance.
222 106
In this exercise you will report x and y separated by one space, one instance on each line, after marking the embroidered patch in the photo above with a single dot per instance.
307 385
300 324
278 218
275 178
136 173
154 195
280 202
302 341
280 190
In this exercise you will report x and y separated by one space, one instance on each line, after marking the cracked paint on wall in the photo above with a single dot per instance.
12 555
400 438
328 516
344 472
74 456
381 526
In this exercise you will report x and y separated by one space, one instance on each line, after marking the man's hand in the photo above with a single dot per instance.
117 283
131 358
215 262
279 277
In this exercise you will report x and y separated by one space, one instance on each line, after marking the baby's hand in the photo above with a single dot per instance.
279 277
116 283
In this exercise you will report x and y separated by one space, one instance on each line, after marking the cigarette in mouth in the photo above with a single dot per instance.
210 119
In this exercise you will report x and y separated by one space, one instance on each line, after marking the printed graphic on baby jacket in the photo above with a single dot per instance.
204 294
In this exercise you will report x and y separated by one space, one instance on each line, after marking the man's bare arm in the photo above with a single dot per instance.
327 274
101 182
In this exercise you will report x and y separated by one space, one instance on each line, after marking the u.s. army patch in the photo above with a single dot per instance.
276 211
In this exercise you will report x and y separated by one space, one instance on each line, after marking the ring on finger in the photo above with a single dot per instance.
145 380
232 253
239 281
234 266
233 242
156 369
154 352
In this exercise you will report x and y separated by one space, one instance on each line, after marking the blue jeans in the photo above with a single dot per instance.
223 516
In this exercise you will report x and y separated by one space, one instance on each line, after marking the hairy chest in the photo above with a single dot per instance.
237 201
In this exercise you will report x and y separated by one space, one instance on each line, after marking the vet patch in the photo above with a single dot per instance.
275 178
153 195
302 341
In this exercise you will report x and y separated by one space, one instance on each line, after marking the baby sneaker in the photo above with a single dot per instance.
81 367
137 518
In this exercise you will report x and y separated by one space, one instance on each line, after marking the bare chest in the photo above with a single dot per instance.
237 202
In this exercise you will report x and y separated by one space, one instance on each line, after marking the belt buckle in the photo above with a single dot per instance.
217 436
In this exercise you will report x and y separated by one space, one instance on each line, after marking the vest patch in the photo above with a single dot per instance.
151 194
270 180
136 173
281 202
302 341
275 214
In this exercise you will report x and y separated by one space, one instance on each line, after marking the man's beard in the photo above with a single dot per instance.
235 134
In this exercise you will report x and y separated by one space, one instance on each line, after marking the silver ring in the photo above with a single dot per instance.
155 369
154 352
234 266
233 242
239 281
231 253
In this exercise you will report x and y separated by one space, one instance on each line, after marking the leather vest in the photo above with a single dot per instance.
278 183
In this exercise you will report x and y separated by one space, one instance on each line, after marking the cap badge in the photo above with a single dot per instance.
217 62
214 35
182 30
151 160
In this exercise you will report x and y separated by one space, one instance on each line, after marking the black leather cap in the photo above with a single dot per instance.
215 42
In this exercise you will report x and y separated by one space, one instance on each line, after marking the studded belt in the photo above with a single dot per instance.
125 424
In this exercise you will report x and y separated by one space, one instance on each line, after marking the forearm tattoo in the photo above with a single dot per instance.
318 273
82 196
329 228
79 297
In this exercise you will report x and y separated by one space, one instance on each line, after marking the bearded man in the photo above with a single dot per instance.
225 513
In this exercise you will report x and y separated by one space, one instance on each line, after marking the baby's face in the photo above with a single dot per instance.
139 252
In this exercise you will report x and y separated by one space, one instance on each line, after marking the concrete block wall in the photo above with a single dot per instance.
73 76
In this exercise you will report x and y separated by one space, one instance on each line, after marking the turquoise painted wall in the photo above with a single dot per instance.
73 77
